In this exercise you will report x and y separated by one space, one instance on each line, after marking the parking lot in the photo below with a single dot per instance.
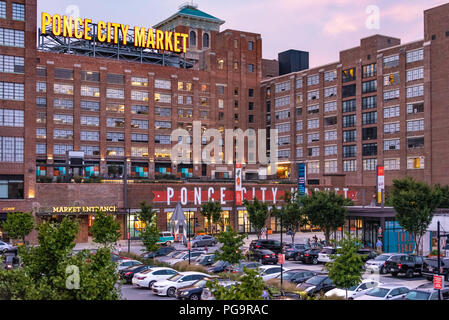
130 292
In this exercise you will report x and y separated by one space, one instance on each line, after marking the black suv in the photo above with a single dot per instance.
264 256
430 268
161 252
273 245
310 256
297 276
408 265
293 251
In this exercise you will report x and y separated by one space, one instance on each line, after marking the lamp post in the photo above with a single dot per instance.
439 258
188 243
282 264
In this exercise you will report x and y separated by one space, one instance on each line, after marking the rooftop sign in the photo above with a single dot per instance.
113 33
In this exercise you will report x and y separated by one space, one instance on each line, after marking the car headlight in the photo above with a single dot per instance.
309 289
184 293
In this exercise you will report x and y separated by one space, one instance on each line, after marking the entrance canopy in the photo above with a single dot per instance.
179 222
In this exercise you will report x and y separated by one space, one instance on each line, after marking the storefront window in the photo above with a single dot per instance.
11 187
244 224
189 215
283 171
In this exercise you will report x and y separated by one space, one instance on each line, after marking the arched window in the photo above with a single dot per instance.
206 40
193 38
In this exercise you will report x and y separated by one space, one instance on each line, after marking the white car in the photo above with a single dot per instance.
185 257
123 264
355 291
377 265
168 287
385 292
147 278
5 247
270 272
324 255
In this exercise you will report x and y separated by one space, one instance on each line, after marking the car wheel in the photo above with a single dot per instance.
430 278
171 292
168 243
315 261
195 245
409 273
194 297
150 285
296 258
383 270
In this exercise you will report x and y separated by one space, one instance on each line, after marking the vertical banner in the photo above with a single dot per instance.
302 179
238 185
380 183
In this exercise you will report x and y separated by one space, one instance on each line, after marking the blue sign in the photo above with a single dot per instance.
302 179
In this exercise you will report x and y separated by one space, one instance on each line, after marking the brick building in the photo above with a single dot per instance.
115 106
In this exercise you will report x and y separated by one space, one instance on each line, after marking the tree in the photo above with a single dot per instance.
19 225
292 217
212 212
230 251
258 214
415 204
326 210
250 288
146 213
105 229
347 266
150 235
52 272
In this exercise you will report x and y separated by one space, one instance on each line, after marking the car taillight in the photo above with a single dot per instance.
141 278
399 266
385 263
266 256
306 255
257 247
128 273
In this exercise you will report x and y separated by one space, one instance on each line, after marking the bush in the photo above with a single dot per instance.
286 285
184 266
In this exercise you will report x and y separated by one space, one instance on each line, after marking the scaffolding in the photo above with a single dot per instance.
48 42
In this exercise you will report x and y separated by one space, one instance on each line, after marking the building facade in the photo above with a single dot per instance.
86 124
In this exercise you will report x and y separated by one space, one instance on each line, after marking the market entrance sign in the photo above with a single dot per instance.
105 209
107 32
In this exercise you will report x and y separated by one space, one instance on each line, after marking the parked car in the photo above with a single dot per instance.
428 292
172 255
147 278
166 238
378 264
319 284
270 272
194 291
264 256
168 287
208 295
202 241
185 257
367 254
205 260
273 245
385 292
297 276
123 264
10 261
128 273
116 258
430 268
6 247
293 251
407 264
310 256
325 255
219 266
161 252
354 291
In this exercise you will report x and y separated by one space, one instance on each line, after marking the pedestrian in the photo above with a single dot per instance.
308 242
379 246
206 248
265 295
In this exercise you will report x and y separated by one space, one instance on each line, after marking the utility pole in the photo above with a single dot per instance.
188 230
439 257
125 201
282 264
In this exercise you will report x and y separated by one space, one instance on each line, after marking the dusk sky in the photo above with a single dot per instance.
322 27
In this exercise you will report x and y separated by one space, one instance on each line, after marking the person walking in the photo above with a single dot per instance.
379 246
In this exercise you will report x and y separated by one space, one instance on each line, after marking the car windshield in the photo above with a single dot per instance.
353 288
218 263
178 254
176 277
417 295
147 271
200 284
315 280
289 274
382 257
378 292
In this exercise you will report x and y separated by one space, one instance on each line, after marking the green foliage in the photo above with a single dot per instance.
292 216
146 213
415 204
257 214
444 196
230 251
347 266
251 287
326 210
212 212
18 225
45 274
105 229
150 235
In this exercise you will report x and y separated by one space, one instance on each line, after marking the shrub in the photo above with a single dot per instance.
184 266
286 285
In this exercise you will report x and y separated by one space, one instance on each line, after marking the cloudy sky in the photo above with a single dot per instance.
322 27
